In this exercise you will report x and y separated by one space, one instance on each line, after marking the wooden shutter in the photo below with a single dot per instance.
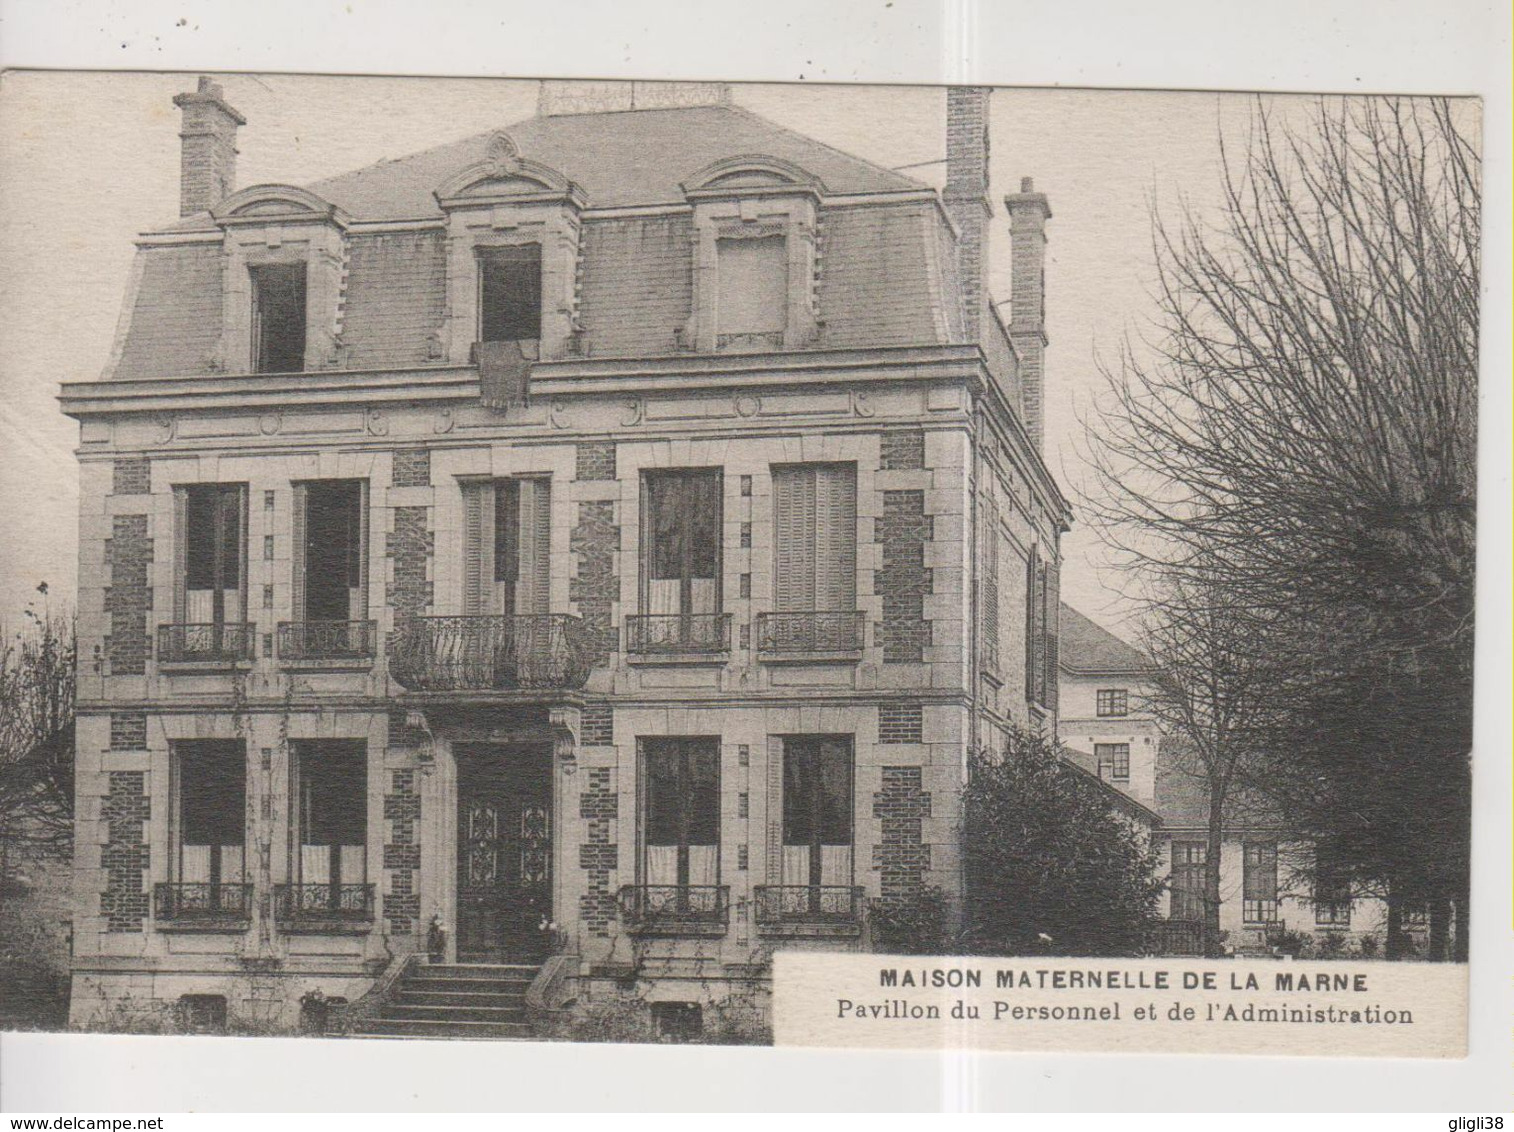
1032 638
180 552
360 551
793 530
297 551
534 540
988 588
835 519
478 548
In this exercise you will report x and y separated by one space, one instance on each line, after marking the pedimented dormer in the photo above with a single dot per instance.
512 254
756 254
284 263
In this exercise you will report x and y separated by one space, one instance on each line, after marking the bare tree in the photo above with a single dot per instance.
36 738
1301 436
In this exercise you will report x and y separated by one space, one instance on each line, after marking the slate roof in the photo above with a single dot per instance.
619 159
1182 796
1086 647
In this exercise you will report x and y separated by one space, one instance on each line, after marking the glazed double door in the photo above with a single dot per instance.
504 852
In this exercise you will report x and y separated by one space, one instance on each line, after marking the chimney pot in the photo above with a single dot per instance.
208 147
1027 185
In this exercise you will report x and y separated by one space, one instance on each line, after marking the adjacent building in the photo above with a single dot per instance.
591 548
1268 882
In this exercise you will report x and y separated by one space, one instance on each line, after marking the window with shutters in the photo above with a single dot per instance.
507 547
509 293
1113 761
681 812
278 317
330 572
989 586
1041 629
209 808
1259 882
210 575
814 561
1188 860
753 291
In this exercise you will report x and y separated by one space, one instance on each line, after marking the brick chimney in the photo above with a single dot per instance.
966 197
1028 214
208 155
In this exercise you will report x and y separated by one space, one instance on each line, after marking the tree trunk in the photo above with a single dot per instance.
1393 946
1440 929
1216 833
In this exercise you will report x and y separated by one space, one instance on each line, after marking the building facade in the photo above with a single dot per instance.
592 547
1268 883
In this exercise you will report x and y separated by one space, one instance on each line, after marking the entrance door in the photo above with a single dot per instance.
504 841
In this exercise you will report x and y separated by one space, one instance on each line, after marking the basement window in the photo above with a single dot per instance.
278 318
509 298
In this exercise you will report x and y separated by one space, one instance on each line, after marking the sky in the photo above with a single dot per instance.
88 160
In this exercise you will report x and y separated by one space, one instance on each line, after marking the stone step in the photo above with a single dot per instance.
427 1028
465 986
419 996
476 970
403 1011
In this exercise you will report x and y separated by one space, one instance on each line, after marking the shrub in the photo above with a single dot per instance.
914 924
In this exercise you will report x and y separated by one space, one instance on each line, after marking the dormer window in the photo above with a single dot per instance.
753 291
278 318
509 293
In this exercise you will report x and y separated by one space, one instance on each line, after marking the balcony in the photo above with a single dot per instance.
217 643
323 908
675 909
480 654
818 910
325 644
810 635
202 906
678 635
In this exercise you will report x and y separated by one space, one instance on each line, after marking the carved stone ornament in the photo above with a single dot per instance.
862 404
378 424
443 422
502 155
748 405
270 423
635 409
167 428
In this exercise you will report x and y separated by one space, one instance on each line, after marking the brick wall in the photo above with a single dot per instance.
410 547
402 852
900 723
124 856
598 856
901 855
396 299
128 598
901 449
596 585
412 467
596 461
598 725
128 731
131 477
638 288
902 531
175 325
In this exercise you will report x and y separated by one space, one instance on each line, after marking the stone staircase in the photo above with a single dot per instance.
451 1001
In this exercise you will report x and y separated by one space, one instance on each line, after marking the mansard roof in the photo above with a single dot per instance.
617 159
1086 647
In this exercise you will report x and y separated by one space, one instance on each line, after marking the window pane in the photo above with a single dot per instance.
279 317
333 548
213 536
510 293
663 793
703 770
212 792
334 793
683 520
754 285
506 530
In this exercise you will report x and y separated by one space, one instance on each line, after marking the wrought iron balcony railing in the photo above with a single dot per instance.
780 905
809 632
219 641
675 909
651 633
303 904
327 640
449 654
201 901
